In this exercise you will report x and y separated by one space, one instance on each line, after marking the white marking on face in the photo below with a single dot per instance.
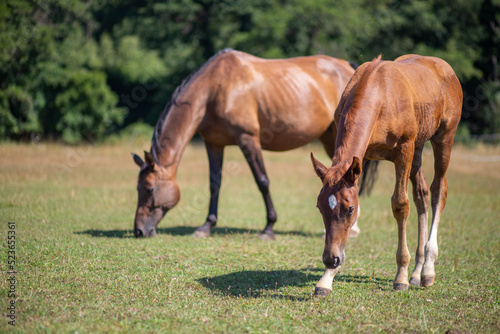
332 201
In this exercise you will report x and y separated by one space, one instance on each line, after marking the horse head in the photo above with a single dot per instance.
157 192
338 204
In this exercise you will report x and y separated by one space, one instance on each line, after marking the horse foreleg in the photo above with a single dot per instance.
324 286
250 145
439 191
421 199
215 157
401 210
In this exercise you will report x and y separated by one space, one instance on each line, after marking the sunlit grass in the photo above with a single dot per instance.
80 269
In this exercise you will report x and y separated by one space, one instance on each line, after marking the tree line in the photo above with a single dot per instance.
77 71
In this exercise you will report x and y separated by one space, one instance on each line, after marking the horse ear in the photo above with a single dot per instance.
138 160
319 167
355 170
149 159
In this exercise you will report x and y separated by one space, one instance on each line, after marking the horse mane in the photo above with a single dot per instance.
155 141
339 167
368 71
356 86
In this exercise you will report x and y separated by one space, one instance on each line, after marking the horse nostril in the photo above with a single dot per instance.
332 263
138 233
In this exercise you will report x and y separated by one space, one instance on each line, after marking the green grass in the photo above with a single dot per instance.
79 269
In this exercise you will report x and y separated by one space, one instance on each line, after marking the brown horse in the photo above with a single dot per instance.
239 99
387 112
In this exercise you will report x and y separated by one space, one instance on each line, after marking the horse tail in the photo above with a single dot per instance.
370 169
353 65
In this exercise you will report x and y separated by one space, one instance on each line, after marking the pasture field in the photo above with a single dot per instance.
79 268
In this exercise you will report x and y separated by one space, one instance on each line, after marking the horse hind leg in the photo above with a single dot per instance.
250 145
441 145
421 199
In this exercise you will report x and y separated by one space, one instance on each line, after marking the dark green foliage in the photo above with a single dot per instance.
86 106
79 70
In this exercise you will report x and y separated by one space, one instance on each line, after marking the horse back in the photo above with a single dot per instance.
250 94
436 92
410 98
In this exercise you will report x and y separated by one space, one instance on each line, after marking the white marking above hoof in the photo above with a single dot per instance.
326 281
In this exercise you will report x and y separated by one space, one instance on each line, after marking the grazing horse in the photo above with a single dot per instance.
238 99
387 112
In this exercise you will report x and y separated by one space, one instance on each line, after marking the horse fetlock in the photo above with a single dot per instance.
272 217
431 251
211 221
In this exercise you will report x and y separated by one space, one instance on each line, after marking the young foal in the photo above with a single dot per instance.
387 112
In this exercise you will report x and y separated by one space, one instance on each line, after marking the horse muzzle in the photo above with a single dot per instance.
332 262
141 233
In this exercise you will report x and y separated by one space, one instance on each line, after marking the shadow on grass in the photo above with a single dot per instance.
269 284
183 230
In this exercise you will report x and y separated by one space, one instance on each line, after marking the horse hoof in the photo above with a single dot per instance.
415 281
267 236
400 286
322 292
427 281
200 234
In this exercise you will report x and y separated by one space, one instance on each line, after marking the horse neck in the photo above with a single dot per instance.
354 133
361 106
180 125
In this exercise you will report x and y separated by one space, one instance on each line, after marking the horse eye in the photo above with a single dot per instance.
351 210
150 190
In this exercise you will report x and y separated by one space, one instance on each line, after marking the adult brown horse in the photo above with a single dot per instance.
387 112
239 99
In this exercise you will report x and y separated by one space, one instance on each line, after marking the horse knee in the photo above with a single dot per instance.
400 207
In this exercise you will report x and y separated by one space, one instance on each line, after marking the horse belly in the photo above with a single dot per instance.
428 118
294 122
283 136
217 133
